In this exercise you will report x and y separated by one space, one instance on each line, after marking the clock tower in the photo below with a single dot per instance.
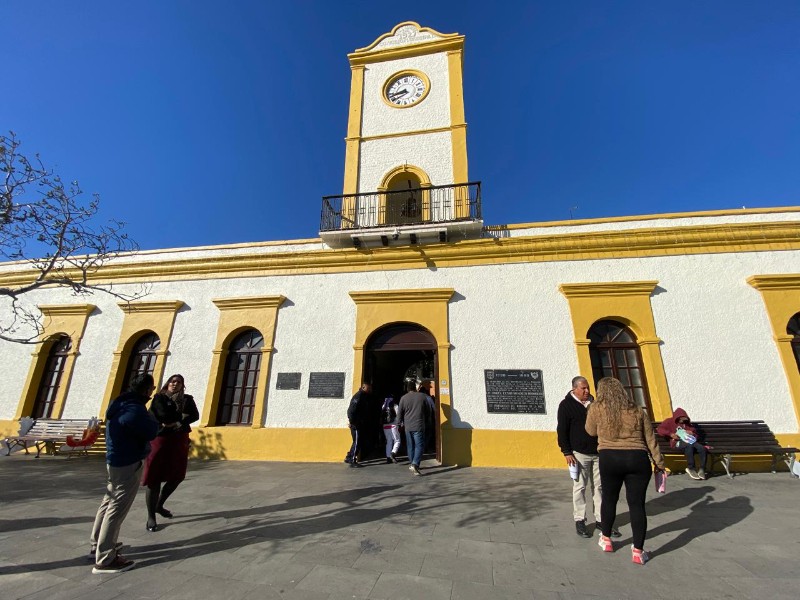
406 146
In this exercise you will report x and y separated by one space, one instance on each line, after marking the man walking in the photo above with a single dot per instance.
357 418
580 450
412 413
129 429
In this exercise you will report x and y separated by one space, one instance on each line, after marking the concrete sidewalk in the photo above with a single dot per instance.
325 531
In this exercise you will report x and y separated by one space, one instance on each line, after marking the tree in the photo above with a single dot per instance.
46 224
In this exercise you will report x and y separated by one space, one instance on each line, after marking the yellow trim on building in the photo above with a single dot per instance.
395 29
410 132
427 308
58 320
609 245
352 156
140 318
455 59
728 212
627 302
235 316
781 295
369 54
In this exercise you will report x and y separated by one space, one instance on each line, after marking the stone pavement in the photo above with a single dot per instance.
324 531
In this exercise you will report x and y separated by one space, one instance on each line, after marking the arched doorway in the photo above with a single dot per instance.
395 354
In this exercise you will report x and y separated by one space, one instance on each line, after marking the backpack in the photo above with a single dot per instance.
389 415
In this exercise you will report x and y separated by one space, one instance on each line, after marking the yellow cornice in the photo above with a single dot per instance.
397 27
617 244
383 136
402 296
775 282
650 217
57 310
611 288
150 307
249 303
395 53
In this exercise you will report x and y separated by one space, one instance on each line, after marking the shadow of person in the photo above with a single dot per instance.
706 516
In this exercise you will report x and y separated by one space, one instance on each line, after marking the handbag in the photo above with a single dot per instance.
660 481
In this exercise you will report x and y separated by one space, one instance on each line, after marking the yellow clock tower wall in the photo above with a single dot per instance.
406 109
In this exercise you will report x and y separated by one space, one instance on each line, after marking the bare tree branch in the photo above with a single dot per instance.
45 223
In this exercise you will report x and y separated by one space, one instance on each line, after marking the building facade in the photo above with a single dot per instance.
698 310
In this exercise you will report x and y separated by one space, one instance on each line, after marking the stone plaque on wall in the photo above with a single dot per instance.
326 385
288 381
514 391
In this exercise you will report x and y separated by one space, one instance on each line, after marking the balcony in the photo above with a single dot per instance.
437 213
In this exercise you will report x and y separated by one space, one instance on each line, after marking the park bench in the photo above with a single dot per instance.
730 438
46 434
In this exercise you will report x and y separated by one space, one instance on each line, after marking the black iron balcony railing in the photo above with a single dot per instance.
418 206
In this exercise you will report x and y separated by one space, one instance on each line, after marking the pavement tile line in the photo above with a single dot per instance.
287 530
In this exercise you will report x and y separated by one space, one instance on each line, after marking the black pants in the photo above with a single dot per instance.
354 454
689 450
631 467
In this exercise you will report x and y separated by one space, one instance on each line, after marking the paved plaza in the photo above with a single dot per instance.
324 531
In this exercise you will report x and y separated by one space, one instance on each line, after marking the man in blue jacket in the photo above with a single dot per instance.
129 429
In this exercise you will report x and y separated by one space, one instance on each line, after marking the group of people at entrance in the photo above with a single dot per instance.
414 414
147 447
609 442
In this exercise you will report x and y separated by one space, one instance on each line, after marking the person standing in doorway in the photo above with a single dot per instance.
411 414
129 429
390 429
580 451
357 418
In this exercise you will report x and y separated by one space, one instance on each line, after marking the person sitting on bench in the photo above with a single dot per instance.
684 436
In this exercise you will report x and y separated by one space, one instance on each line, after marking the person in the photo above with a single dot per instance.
169 454
580 450
390 429
427 388
357 418
411 414
129 429
624 439
684 436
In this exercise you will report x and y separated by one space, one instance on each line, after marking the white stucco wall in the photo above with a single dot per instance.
431 152
720 359
433 111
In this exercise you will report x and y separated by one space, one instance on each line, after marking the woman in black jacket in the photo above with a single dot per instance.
169 455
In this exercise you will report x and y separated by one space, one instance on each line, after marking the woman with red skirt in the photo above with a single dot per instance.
169 454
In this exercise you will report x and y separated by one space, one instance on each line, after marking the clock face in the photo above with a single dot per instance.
406 89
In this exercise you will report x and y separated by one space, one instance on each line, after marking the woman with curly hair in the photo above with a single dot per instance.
169 454
626 445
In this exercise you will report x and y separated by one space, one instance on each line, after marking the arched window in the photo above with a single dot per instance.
241 379
142 358
615 353
793 329
51 378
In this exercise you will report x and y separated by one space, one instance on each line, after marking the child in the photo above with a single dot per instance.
683 435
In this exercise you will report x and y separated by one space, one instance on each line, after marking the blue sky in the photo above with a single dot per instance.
210 122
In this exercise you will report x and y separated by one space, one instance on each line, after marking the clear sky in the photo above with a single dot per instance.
220 121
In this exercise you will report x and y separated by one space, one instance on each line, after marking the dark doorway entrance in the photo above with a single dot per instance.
395 354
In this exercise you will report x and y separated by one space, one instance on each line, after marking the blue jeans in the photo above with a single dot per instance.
689 450
415 443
